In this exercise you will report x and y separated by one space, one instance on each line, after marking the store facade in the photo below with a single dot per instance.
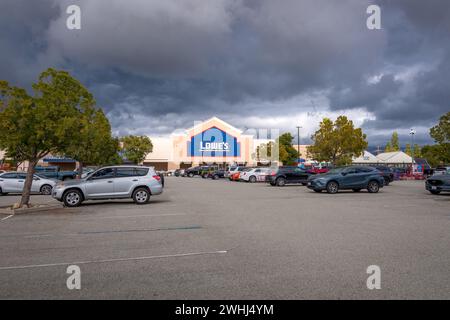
213 141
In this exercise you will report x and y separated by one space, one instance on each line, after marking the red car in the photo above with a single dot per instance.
318 170
235 176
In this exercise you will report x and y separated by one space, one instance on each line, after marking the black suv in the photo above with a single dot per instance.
289 175
214 173
193 171
438 183
388 174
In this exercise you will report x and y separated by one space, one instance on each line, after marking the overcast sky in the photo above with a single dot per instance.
158 65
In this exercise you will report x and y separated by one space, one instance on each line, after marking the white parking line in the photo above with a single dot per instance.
114 260
139 216
6 217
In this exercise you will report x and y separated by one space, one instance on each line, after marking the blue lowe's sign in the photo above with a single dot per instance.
213 142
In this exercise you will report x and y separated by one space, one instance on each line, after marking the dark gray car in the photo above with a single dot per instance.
354 178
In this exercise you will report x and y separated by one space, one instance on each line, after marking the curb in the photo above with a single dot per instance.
8 211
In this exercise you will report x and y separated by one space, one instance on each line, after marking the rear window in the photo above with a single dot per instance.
125 172
141 171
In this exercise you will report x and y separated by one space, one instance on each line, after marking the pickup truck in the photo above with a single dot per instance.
54 172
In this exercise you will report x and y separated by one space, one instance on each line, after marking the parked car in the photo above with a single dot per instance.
235 175
207 171
441 170
214 174
352 177
438 183
232 170
13 182
254 174
179 173
114 182
2 171
289 175
54 172
318 170
194 171
388 174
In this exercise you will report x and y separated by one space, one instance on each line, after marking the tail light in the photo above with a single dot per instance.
156 177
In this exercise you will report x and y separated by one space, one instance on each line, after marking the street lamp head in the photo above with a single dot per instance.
412 131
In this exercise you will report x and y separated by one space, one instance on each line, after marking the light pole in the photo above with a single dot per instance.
298 144
412 132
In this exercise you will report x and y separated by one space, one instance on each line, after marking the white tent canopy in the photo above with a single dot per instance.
395 157
387 158
366 157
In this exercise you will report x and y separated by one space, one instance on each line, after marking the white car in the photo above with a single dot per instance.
254 174
12 182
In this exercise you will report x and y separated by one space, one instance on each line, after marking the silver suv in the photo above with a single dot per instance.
116 182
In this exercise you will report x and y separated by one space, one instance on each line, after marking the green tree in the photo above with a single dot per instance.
48 121
97 146
135 148
394 142
388 147
441 135
433 155
417 151
288 155
337 142
408 150
441 132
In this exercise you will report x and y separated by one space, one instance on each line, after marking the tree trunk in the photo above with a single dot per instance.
80 170
25 200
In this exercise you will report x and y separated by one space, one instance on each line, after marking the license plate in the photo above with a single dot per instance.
433 188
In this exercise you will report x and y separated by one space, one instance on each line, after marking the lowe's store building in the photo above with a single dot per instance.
209 142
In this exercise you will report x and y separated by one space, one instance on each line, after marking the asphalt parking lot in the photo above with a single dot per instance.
205 239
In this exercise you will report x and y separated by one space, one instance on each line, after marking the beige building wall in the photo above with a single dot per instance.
303 151
170 152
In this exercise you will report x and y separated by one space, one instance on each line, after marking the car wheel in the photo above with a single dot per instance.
435 191
46 189
72 198
281 182
204 176
252 179
190 175
373 187
332 187
304 184
141 196
356 190
386 181
215 177
2 193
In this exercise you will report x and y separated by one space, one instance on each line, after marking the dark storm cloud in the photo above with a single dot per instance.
159 65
